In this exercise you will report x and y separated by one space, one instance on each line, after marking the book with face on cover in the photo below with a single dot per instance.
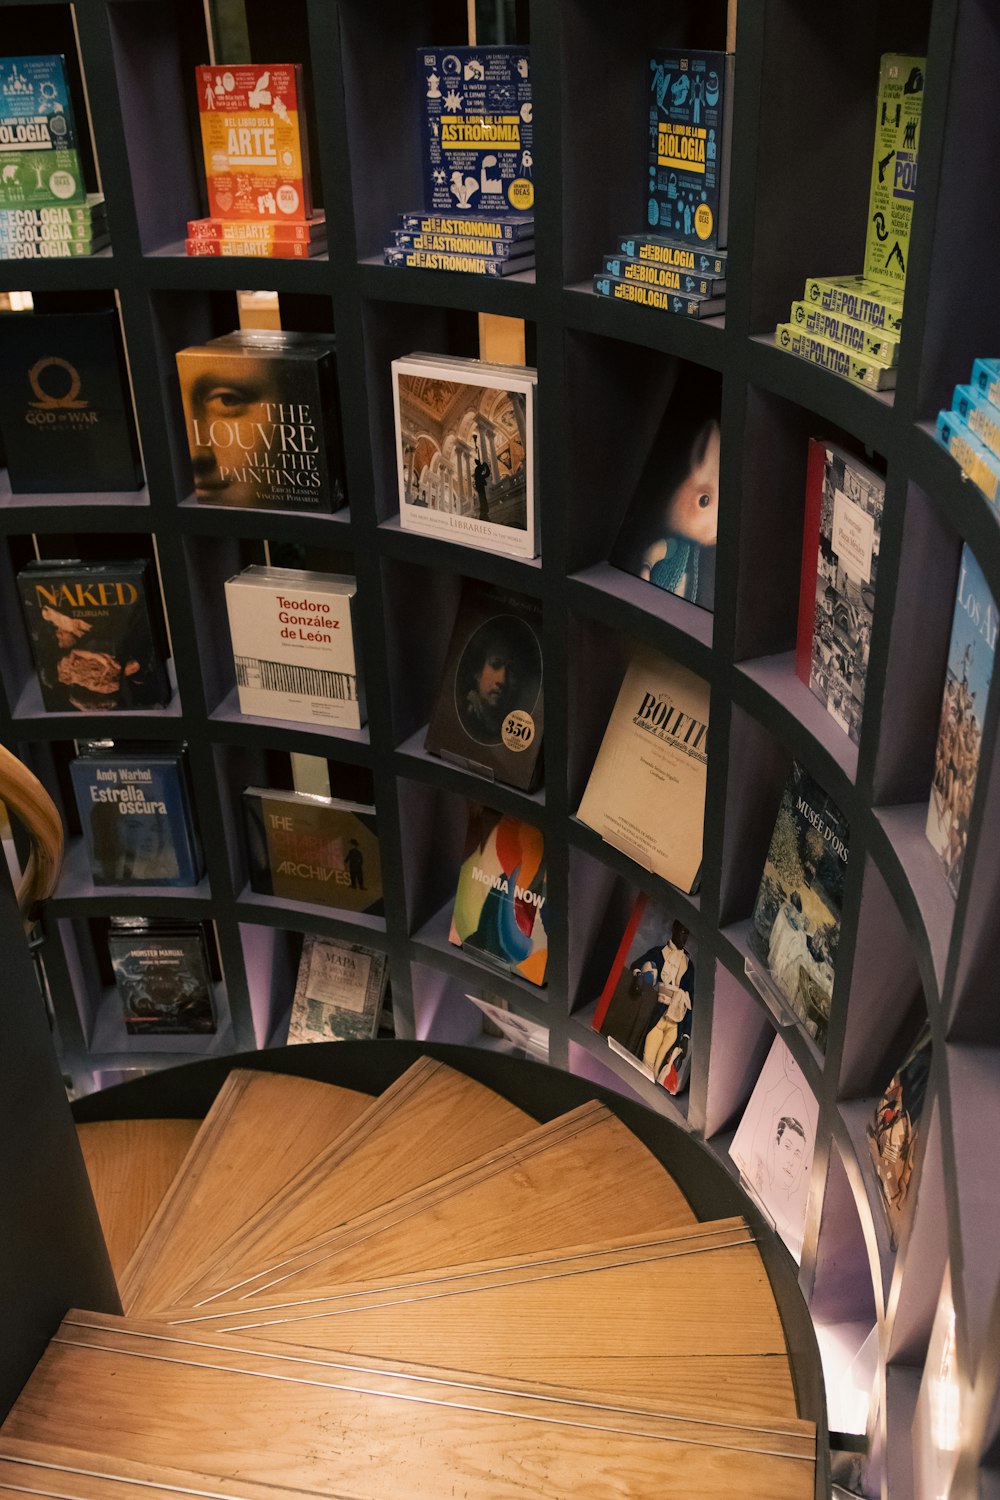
646 793
339 992
645 1009
499 913
774 1144
489 714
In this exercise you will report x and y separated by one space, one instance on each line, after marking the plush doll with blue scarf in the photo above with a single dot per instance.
690 520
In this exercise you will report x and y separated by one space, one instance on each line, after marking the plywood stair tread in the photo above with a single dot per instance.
131 1164
431 1121
606 1319
261 1129
375 1428
43 1469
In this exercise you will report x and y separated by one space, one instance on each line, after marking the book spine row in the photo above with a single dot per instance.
979 416
986 379
486 229
835 358
483 265
863 304
621 290
649 274
50 249
972 456
865 341
666 253
262 249
463 244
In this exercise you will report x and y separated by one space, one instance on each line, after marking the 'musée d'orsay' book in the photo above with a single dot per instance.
478 130
254 141
895 1130
690 128
645 1007
96 634
66 413
774 1144
499 914
963 709
135 811
646 793
339 992
163 974
465 451
795 930
313 849
262 413
840 546
294 645
489 712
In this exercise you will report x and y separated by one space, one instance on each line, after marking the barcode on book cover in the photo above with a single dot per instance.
280 677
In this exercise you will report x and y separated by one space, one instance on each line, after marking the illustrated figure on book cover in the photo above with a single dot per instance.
774 1144
892 1135
648 1011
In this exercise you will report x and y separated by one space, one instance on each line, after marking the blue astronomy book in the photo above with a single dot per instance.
39 163
478 130
135 809
689 130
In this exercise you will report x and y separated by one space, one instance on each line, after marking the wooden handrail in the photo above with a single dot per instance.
27 799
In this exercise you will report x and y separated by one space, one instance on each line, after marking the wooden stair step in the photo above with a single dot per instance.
58 1473
259 1132
581 1178
131 1164
689 1314
372 1428
431 1121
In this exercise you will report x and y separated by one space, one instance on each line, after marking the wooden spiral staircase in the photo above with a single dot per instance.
421 1294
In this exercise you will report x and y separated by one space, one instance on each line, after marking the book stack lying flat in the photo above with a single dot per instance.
256 165
677 263
447 242
851 325
971 429
45 210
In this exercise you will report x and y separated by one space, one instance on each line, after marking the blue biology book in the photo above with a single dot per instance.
478 130
39 162
135 809
689 130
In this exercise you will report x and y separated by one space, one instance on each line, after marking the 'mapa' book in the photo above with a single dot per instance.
96 635
489 715
339 992
775 1142
294 645
254 141
319 850
263 420
39 159
135 811
645 1009
690 127
646 793
465 451
963 710
894 168
794 933
840 546
65 404
477 129
164 976
499 914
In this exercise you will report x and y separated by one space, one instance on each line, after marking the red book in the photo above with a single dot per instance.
263 249
810 556
254 141
257 229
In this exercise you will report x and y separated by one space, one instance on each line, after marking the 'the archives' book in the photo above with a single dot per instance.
294 647
65 404
840 546
963 709
254 141
163 975
316 849
263 420
646 793
135 809
39 161
478 130
690 125
465 451
774 1144
795 929
645 1007
489 714
96 634
339 992
669 534
499 913
894 1130
894 168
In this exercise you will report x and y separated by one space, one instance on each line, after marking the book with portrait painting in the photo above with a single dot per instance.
645 1007
774 1144
319 850
262 416
500 914
465 451
840 547
489 713
795 929
136 815
963 709
668 537
894 1132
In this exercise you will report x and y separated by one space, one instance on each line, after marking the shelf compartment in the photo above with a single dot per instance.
414 761
867 1206
701 340
627 1080
770 687
429 945
923 1251
272 951
973 1085
742 1034
838 403
523 574
77 895
921 891
443 1012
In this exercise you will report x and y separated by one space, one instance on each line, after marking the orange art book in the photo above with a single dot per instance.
256 154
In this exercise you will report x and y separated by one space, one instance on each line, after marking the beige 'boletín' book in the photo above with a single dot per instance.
646 793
